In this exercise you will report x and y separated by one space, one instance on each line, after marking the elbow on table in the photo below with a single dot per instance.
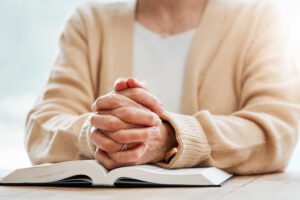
33 142
49 146
271 157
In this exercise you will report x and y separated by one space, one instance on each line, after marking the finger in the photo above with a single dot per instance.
105 160
134 115
108 122
105 143
131 156
144 98
121 84
112 101
118 80
134 83
135 135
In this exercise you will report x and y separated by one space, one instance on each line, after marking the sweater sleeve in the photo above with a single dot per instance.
57 127
261 135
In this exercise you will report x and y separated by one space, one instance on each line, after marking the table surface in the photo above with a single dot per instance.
273 186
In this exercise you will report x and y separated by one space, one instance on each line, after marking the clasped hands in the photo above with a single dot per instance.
130 115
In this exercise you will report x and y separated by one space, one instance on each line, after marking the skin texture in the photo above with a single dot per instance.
129 115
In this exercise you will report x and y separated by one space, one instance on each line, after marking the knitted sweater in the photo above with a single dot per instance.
241 93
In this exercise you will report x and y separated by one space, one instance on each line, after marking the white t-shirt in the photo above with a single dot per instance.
161 61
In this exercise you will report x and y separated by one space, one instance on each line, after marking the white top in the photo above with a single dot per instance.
161 61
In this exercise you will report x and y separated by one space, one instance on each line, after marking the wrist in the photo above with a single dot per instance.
171 137
170 142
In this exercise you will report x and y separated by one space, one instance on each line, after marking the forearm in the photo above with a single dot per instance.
246 142
57 138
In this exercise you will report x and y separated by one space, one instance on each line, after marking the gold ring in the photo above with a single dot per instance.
124 147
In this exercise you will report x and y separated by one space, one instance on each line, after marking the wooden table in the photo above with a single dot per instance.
275 186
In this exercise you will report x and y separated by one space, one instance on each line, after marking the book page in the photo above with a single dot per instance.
188 176
56 172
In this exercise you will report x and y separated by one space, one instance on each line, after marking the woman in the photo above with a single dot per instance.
223 71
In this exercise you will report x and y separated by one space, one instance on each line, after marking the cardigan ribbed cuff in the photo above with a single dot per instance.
85 145
193 147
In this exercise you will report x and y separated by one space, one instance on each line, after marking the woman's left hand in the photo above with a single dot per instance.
157 143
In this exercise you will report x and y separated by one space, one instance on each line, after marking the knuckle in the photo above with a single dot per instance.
125 112
110 123
156 101
147 135
135 93
114 99
107 145
109 100
121 111
152 117
120 137
132 113
126 138
155 104
139 90
155 130
98 103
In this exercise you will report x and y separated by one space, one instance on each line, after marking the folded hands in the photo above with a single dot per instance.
130 115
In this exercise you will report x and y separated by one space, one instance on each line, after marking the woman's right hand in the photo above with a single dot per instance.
125 83
114 112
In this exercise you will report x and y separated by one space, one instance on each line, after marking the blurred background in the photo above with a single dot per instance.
29 31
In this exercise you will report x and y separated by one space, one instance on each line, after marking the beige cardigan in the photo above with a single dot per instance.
240 99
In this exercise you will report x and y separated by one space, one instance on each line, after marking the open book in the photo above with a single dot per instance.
89 173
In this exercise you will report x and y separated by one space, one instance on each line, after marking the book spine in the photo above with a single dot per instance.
103 186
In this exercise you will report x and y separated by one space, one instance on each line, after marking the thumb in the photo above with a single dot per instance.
134 83
121 84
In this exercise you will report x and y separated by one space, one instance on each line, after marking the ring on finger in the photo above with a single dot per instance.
124 147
